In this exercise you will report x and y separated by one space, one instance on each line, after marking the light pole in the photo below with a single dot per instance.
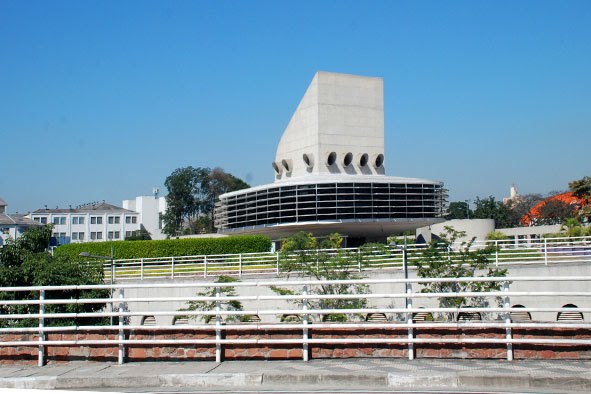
111 259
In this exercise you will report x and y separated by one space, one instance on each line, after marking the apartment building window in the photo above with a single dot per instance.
6 230
59 220
128 234
78 220
94 235
74 236
96 220
113 234
114 219
41 220
131 219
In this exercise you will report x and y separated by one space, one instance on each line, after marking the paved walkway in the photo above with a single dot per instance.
347 374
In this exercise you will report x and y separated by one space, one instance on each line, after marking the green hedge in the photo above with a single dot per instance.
170 247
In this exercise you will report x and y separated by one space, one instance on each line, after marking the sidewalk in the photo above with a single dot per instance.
371 373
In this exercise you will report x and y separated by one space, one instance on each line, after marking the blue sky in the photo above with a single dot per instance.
103 100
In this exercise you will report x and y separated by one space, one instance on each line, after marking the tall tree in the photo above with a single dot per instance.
555 212
192 194
459 210
520 207
489 208
582 189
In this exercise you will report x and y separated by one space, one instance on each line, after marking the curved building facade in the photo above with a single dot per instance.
330 174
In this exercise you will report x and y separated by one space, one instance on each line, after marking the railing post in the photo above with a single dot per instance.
409 320
218 323
205 266
305 351
240 265
142 268
113 271
508 333
172 267
277 262
496 253
121 353
41 355
359 259
545 251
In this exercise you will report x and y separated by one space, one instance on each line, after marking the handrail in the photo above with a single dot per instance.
544 251
39 303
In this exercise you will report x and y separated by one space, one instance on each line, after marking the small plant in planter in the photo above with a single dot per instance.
225 305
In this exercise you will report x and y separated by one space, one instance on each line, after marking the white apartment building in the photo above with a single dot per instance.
150 210
92 222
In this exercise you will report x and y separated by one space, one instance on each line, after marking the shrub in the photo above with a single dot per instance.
496 236
170 247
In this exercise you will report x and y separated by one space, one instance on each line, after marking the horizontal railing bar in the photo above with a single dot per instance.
285 311
401 340
282 326
83 301
301 282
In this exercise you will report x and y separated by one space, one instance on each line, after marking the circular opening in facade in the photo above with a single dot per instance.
332 158
308 160
348 159
379 160
363 160
276 168
285 165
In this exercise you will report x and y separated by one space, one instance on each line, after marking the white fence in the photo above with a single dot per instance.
542 251
31 307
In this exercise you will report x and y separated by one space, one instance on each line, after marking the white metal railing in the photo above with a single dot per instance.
506 252
30 314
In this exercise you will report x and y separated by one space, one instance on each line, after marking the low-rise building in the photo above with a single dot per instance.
12 225
93 222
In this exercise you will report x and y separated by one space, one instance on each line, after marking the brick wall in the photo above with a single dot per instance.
140 352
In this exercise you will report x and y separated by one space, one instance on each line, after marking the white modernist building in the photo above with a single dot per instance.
150 210
92 222
330 174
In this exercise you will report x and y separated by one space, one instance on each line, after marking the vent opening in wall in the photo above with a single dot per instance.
348 159
332 158
308 160
379 160
363 160
286 165
276 168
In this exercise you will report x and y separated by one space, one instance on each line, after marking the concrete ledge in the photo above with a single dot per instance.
327 380
29 382
437 374
449 380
